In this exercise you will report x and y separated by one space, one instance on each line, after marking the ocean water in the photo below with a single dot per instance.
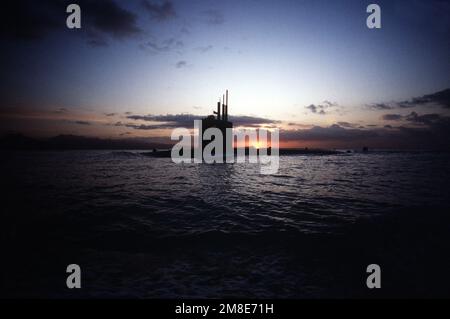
143 227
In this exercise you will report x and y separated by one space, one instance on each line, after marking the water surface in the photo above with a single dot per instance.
146 227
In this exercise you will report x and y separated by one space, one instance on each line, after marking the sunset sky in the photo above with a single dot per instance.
311 68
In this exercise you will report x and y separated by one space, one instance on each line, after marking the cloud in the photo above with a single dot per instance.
329 104
60 110
181 64
320 108
81 122
424 119
251 121
110 114
427 119
347 124
312 108
213 17
170 121
381 106
143 126
440 99
149 127
107 17
34 20
331 133
162 46
435 136
392 117
204 49
160 12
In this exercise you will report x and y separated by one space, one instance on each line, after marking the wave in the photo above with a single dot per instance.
125 154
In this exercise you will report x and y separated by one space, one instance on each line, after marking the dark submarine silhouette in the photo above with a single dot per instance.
220 121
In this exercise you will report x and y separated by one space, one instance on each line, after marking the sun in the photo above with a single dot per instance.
257 145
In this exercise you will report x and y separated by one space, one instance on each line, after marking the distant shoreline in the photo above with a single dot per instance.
19 142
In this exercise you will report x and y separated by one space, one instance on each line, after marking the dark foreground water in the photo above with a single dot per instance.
145 227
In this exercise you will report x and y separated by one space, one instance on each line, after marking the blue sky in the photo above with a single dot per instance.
277 58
